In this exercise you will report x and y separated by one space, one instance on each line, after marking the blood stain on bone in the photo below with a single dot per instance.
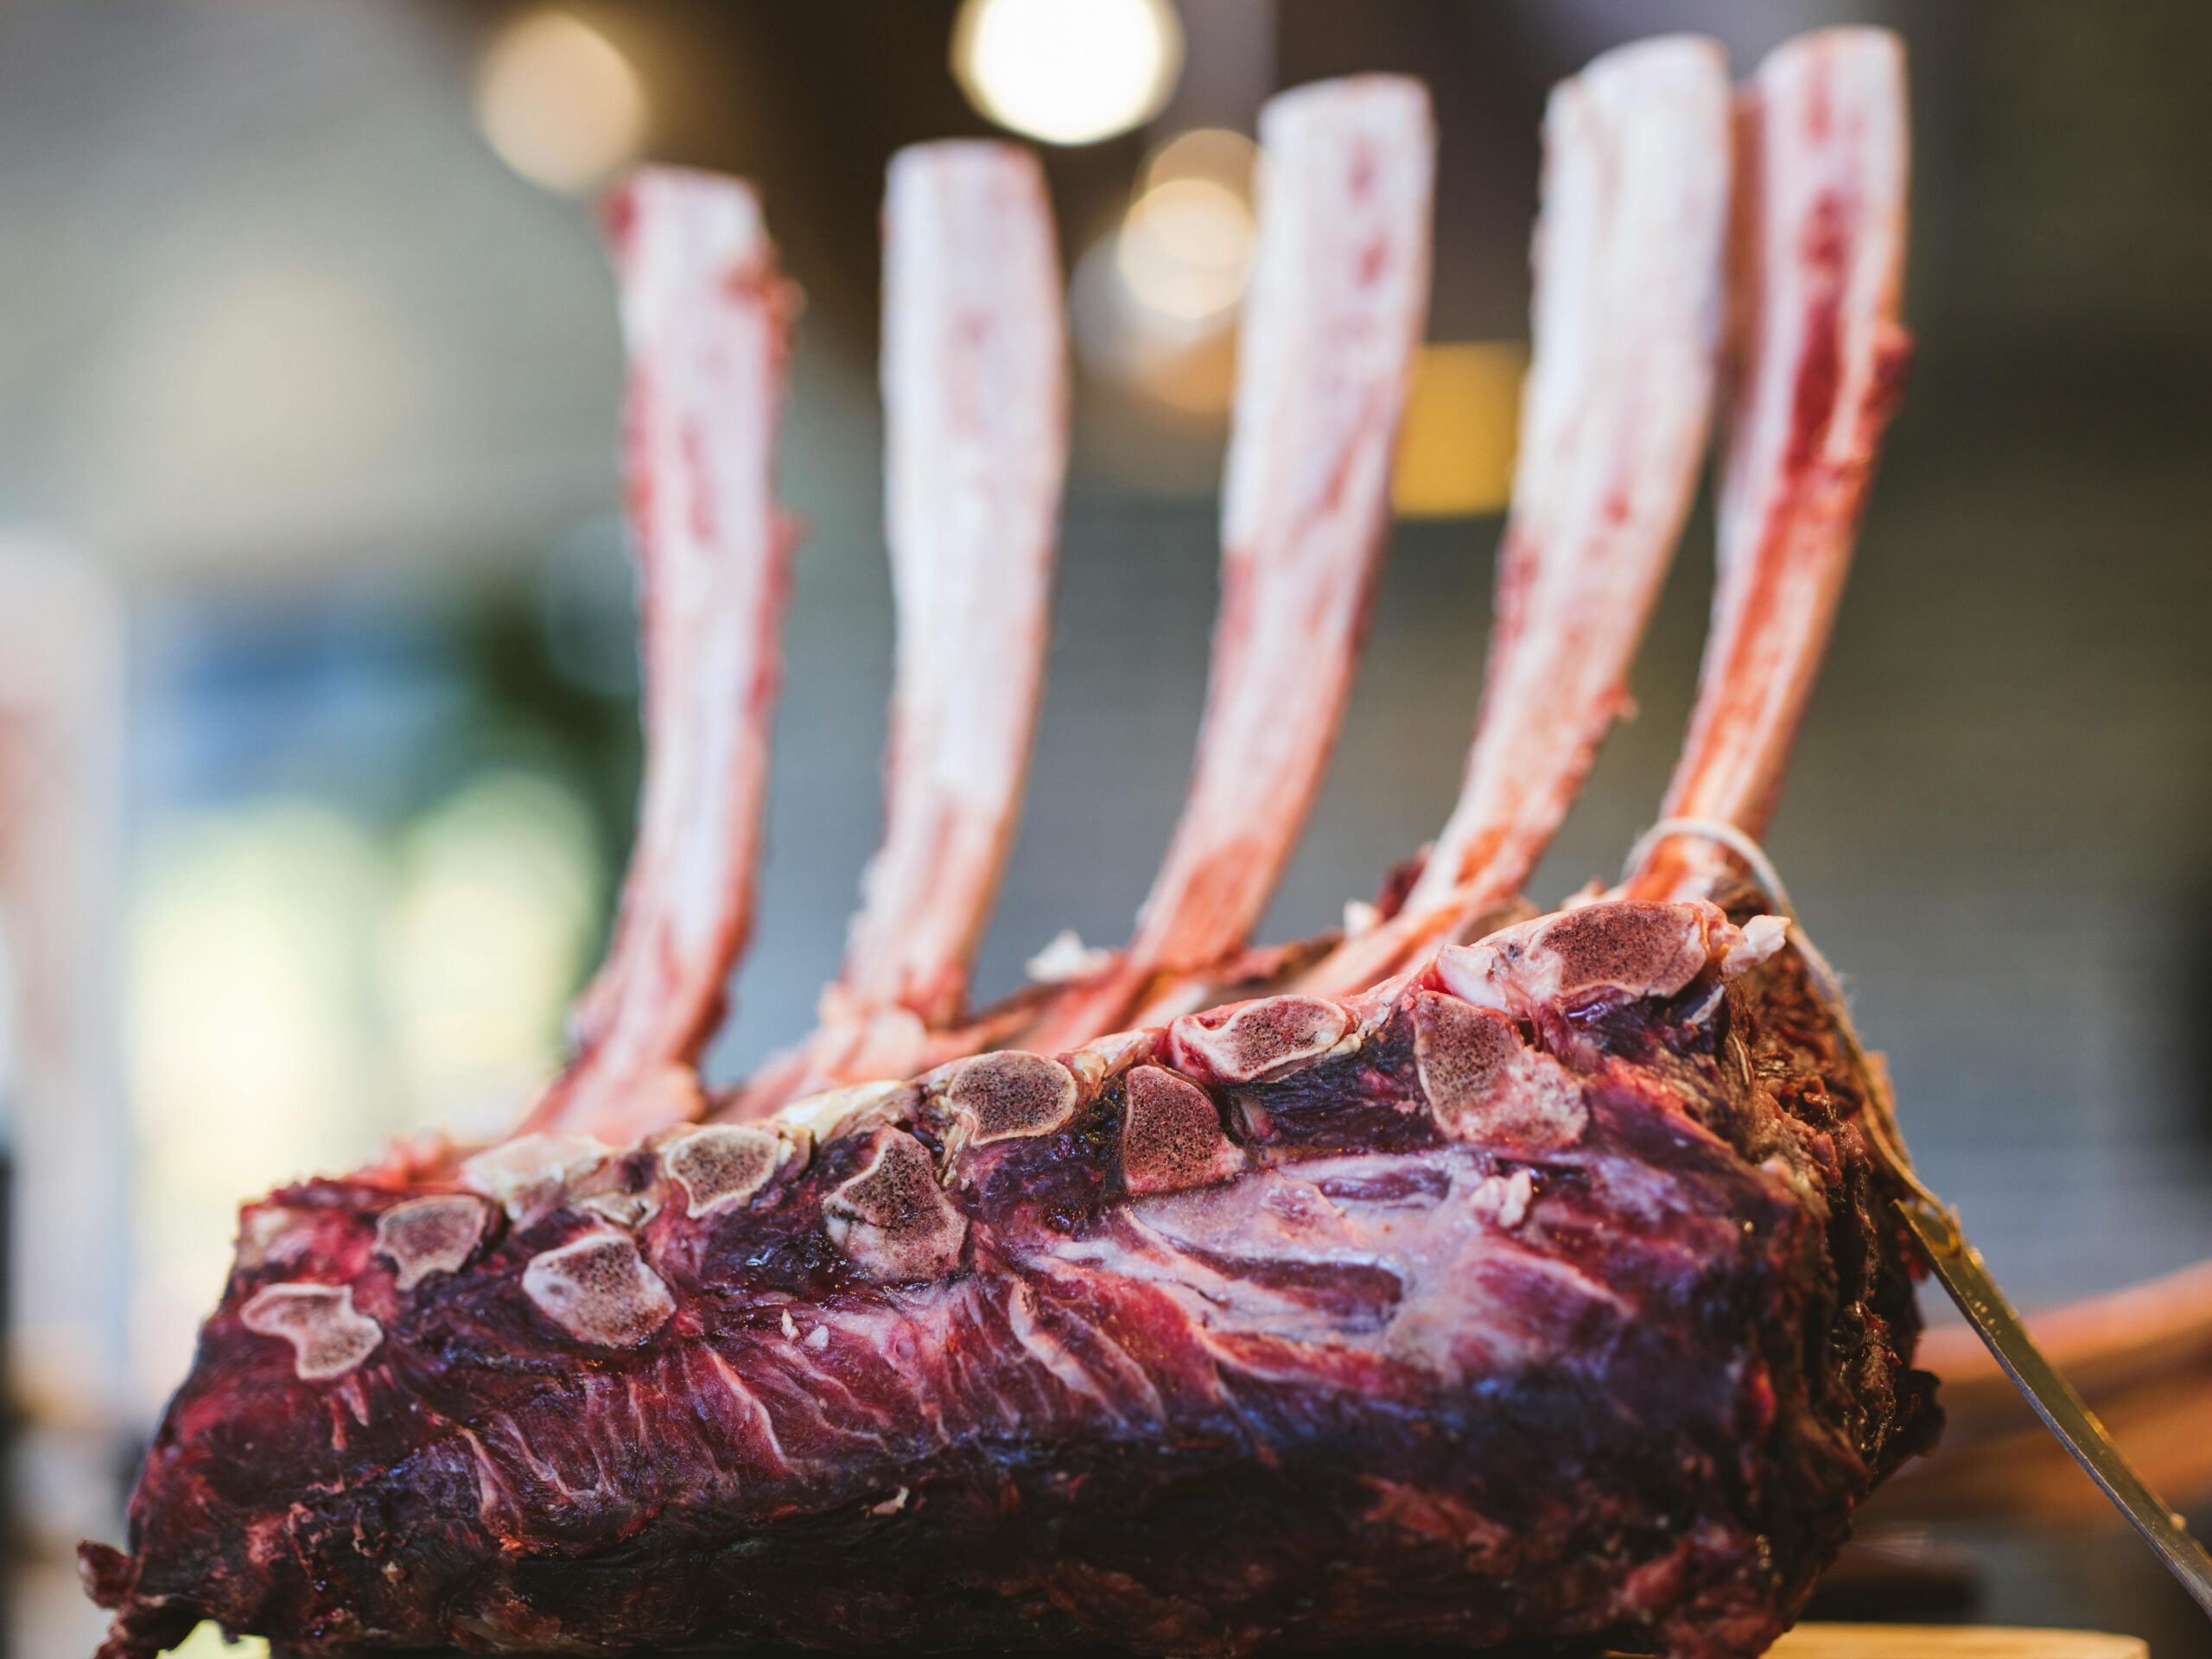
1484 1086
1256 1040
599 1290
1171 1138
722 1165
1010 1096
329 1338
433 1235
892 1220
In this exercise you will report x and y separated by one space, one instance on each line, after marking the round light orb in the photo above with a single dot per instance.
1185 249
559 102
1215 154
1068 72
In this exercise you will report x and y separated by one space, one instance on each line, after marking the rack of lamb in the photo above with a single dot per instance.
1478 1277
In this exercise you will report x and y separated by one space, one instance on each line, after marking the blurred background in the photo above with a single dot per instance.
317 724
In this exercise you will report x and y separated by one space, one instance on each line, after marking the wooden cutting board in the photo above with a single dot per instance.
1951 1642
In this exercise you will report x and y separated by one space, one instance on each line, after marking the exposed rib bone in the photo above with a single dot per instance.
707 322
1338 298
975 389
1820 259
1628 258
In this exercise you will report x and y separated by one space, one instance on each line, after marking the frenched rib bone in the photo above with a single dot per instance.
1333 319
974 392
1628 258
707 319
1820 269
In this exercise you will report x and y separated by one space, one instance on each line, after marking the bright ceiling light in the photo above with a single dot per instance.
559 102
1070 71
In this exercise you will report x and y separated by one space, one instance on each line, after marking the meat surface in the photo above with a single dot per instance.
1554 1296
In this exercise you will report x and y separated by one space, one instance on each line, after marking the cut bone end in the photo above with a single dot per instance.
599 1290
1255 1040
1600 954
1484 1084
892 1220
433 1235
722 1166
1010 1095
1171 1137
328 1337
526 1172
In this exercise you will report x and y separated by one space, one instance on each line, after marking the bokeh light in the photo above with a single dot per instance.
1154 303
559 102
1217 155
1463 416
1185 249
304 986
497 905
1068 72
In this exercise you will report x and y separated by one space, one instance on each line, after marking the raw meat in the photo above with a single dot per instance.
1552 1296
1547 1290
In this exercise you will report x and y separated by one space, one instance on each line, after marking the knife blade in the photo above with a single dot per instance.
1958 1267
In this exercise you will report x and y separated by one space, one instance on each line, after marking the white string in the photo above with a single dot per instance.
1728 835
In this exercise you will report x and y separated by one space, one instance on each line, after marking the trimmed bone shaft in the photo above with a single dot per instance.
1338 301
1337 308
1821 258
975 390
707 319
1629 261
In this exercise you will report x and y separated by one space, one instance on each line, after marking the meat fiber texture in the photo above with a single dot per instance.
1552 1294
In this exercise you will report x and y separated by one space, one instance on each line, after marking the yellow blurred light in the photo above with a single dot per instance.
1455 454
1185 250
559 102
1070 71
